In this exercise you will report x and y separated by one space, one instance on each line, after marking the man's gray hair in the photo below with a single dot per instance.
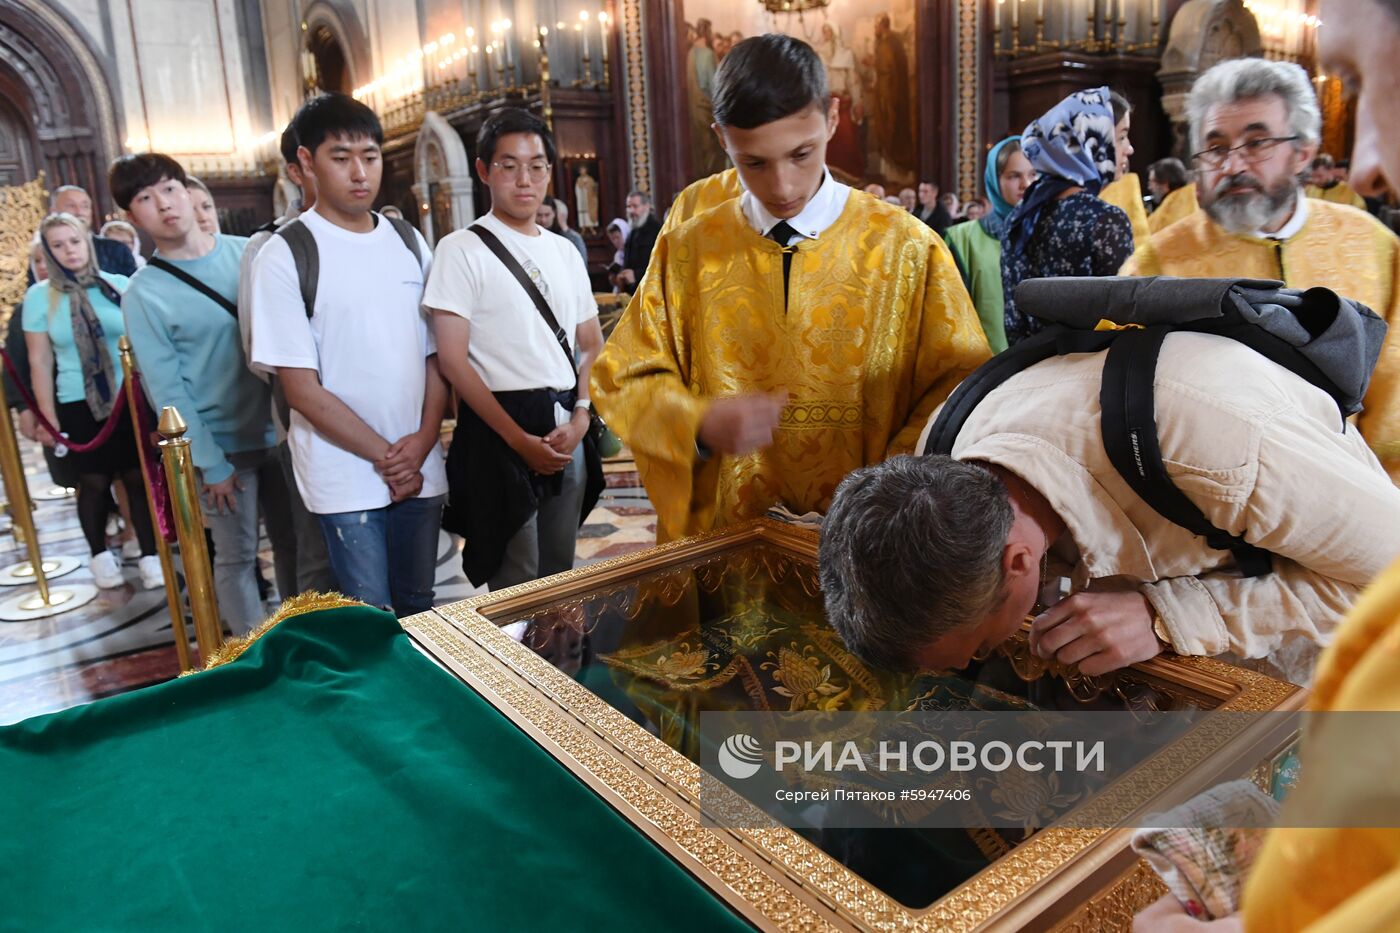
1248 78
62 189
646 198
911 549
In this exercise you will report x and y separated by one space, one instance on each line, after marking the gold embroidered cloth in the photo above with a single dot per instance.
699 196
1339 248
1126 195
878 330
1342 880
1340 193
1180 204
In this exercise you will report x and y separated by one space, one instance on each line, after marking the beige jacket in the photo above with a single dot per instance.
1259 450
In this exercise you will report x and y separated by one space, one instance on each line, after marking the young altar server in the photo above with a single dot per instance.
788 336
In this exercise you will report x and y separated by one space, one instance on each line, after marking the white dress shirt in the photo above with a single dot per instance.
1295 223
818 214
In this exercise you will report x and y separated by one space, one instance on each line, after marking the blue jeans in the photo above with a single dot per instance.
386 557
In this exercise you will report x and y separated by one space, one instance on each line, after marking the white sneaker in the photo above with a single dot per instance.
106 571
151 575
131 549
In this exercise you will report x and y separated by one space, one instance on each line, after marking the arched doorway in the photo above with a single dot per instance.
336 45
59 96
444 181
332 70
17 157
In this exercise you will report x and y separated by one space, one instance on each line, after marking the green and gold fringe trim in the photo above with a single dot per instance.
296 606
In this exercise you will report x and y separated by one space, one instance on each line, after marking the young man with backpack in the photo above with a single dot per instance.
182 320
336 315
517 330
308 567
1293 513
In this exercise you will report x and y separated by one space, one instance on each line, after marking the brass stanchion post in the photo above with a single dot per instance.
47 601
189 528
17 494
167 564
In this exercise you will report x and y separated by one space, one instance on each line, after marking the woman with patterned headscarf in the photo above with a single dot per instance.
1061 228
74 320
976 244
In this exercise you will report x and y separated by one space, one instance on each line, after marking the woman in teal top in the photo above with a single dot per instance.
976 245
72 323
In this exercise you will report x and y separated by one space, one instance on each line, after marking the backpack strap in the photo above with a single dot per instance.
1129 427
194 283
307 258
409 236
1054 340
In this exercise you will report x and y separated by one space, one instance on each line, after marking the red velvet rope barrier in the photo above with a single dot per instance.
102 437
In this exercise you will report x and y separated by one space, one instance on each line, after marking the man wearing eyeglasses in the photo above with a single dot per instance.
1255 128
522 472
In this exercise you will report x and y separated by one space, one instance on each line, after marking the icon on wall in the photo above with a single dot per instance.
585 182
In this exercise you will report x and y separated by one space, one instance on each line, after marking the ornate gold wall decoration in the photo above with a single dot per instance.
21 209
639 132
969 120
1331 99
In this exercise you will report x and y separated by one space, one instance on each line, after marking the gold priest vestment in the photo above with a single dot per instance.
1126 194
878 329
1340 193
700 196
1344 879
1340 248
1175 206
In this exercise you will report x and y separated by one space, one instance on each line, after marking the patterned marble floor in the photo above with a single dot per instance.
123 640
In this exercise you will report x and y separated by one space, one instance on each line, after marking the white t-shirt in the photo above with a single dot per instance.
511 346
368 339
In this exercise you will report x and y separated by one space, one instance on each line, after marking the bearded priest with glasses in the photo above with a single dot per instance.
1255 128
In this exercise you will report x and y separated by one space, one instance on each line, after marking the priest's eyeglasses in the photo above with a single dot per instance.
1253 151
537 171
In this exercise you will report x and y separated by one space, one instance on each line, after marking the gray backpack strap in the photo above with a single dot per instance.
409 236
308 260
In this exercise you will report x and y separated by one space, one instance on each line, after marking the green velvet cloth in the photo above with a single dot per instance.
331 778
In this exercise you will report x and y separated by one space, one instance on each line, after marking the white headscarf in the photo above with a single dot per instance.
626 229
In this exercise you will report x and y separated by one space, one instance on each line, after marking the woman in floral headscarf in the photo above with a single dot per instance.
1061 227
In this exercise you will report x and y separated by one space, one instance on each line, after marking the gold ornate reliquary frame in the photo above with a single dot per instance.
1060 879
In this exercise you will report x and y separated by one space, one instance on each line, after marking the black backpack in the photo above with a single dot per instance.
308 259
1330 341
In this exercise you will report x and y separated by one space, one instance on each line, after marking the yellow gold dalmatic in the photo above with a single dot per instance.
1339 248
878 330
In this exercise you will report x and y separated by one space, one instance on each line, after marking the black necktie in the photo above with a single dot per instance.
781 233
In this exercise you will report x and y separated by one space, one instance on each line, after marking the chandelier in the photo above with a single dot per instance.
799 7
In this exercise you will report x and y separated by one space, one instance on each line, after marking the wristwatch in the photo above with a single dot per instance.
583 403
1159 628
